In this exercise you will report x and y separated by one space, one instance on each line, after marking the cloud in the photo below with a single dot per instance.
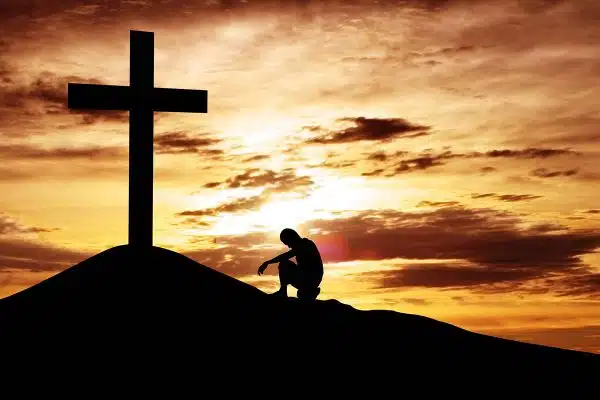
426 203
237 255
402 162
544 173
487 236
378 156
416 302
375 172
584 284
505 197
242 204
382 156
473 248
422 163
47 94
258 157
283 181
272 182
370 129
36 256
528 153
30 152
181 142
445 276
11 226
486 170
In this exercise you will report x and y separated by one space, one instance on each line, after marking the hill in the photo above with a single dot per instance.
159 309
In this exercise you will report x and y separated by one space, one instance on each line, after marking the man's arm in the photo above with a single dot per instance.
282 257
278 259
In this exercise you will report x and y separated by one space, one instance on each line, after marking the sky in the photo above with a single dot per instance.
442 154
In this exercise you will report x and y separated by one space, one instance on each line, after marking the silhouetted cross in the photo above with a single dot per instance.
141 99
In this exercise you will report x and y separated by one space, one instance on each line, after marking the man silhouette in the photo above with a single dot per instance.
305 276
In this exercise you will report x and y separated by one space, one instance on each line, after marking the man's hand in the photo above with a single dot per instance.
262 268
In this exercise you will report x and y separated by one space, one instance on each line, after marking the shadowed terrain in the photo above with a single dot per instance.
160 310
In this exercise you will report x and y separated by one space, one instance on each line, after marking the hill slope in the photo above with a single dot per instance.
162 307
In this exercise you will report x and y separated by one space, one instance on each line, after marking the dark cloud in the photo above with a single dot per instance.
46 94
592 211
258 157
212 185
446 276
61 153
416 302
545 173
485 170
479 235
382 156
583 284
243 204
272 182
527 153
378 156
404 162
283 181
488 247
5 73
505 197
482 195
36 256
186 143
375 172
433 57
426 203
238 255
370 129
395 164
517 197
423 162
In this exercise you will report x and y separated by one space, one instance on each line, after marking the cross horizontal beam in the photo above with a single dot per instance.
110 97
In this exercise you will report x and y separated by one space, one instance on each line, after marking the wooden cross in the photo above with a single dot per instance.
141 99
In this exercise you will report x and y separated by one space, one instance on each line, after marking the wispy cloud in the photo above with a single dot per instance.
505 197
47 94
32 152
545 173
369 129
282 181
181 142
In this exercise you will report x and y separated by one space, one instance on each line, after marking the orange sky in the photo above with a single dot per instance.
442 154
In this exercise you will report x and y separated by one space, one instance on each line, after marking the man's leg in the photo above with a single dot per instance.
308 288
287 275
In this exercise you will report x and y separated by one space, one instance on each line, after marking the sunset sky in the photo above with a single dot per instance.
443 154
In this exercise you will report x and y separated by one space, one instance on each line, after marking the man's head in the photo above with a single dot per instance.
289 237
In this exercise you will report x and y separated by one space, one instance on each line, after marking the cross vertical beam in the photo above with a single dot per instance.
141 139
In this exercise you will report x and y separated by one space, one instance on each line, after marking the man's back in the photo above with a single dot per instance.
308 256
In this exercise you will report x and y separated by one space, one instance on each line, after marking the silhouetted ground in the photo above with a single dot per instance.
161 311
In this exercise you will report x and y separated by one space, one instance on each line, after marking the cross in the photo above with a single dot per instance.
141 99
